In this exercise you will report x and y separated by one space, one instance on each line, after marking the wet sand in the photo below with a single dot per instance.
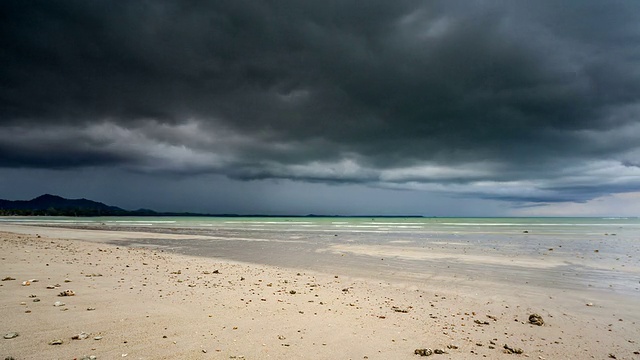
148 301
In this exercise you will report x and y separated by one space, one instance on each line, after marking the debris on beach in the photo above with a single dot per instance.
83 335
536 319
58 303
428 352
8 278
512 350
399 310
11 335
423 352
67 293
56 342
89 357
480 322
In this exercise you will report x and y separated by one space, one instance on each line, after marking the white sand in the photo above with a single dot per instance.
154 305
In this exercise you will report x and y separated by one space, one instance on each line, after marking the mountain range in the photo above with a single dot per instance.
54 205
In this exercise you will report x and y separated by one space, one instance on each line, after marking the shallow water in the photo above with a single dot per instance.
575 254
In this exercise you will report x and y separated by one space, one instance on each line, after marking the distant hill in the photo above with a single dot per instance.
54 205
47 201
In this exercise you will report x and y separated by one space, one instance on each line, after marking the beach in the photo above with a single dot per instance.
143 294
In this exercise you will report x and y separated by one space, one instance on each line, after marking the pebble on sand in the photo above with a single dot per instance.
512 350
67 293
536 319
423 352
83 335
11 335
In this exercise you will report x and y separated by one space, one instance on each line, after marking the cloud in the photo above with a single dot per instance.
620 204
522 102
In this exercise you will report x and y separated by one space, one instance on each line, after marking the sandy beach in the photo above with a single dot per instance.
144 302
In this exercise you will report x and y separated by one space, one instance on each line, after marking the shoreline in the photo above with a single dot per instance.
153 304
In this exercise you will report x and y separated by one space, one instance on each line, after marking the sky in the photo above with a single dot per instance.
435 108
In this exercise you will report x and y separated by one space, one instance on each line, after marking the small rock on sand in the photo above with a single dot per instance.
83 335
512 350
56 342
11 335
8 278
536 319
67 293
58 303
423 352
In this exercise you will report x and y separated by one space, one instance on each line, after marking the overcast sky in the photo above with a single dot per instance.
467 108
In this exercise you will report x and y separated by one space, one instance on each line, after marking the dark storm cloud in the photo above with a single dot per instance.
503 100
